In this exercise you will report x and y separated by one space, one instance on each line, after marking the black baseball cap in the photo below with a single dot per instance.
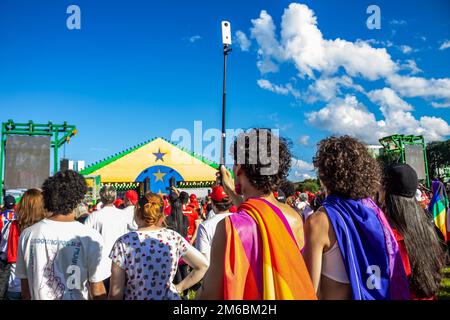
9 201
402 180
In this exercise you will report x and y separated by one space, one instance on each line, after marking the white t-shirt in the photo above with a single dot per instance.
205 233
301 205
129 216
210 214
110 222
60 258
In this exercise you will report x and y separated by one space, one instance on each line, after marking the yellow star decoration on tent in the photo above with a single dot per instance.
159 176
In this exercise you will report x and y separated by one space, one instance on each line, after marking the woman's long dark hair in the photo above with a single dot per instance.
425 251
176 220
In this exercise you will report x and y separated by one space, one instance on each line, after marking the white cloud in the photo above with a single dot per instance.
301 170
346 116
242 40
406 49
279 89
349 116
433 128
445 45
263 32
302 42
398 119
194 38
387 97
335 65
420 87
299 176
326 88
441 104
387 43
411 66
302 165
303 140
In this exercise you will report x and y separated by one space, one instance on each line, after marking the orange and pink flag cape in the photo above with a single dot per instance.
262 258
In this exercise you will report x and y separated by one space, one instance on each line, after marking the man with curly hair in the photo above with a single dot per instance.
350 250
256 252
58 257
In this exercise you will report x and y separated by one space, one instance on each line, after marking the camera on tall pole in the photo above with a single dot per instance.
226 41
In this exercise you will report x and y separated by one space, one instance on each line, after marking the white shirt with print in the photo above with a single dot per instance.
60 259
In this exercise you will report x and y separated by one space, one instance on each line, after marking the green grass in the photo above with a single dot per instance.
191 294
444 293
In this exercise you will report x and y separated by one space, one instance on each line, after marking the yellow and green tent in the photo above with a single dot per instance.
156 161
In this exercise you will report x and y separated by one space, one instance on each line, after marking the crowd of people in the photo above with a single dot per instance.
370 233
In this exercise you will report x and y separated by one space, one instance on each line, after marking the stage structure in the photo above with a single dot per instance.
150 166
408 149
25 147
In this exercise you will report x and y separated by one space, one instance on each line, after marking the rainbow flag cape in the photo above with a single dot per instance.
262 258
439 208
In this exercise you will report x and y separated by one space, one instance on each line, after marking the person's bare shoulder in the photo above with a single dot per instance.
317 220
295 221
289 211
317 227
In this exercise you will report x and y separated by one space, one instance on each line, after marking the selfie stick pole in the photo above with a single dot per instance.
226 50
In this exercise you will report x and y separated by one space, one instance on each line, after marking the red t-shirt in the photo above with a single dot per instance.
192 215
406 264
8 223
403 252
13 242
167 207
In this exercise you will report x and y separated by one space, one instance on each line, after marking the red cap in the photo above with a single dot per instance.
193 197
118 202
132 196
217 193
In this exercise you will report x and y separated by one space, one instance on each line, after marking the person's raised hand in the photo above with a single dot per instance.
174 190
227 180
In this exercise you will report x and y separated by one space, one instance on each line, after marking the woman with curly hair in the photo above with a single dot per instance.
256 252
59 258
350 250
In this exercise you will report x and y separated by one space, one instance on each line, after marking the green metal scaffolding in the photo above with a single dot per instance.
395 145
60 133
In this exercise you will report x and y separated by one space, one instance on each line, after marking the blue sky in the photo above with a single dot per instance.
140 69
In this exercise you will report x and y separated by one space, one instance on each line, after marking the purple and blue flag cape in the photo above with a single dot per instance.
369 250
